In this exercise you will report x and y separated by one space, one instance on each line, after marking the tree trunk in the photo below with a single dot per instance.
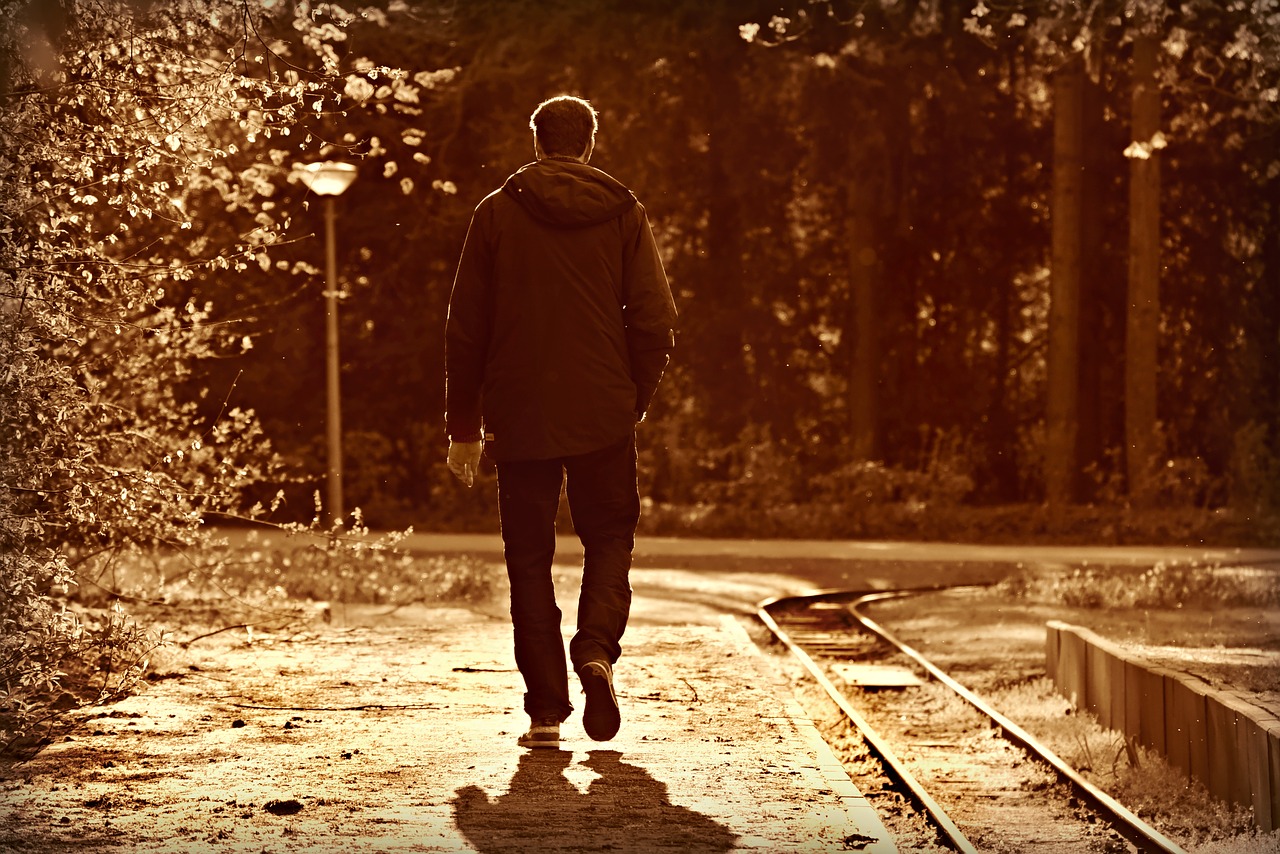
1100 279
718 311
865 276
1062 404
1142 327
1002 434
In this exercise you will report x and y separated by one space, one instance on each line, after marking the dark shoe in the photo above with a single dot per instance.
542 733
601 718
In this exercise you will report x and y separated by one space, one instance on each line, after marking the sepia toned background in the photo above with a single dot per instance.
855 203
966 271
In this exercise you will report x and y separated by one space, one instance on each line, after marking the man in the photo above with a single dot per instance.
560 327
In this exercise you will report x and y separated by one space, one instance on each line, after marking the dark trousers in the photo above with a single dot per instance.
605 504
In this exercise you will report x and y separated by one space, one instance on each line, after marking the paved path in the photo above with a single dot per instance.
653 549
657 547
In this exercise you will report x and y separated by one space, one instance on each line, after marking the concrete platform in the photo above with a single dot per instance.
714 755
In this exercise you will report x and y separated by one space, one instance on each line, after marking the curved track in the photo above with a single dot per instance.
1128 825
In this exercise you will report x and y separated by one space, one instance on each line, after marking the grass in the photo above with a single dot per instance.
275 568
1162 587
1138 778
312 573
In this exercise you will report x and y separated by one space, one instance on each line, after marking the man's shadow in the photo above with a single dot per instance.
623 809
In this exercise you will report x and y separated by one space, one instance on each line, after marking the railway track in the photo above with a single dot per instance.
979 781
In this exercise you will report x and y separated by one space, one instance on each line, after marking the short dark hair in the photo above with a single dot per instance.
564 125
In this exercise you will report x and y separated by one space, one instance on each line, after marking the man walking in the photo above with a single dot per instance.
560 327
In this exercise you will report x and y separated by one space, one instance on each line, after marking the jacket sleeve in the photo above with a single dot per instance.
648 310
467 332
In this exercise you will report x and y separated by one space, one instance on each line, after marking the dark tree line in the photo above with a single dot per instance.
899 235
857 203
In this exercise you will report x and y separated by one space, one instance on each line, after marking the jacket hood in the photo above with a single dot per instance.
568 194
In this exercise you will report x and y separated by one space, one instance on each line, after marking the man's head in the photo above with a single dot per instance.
564 126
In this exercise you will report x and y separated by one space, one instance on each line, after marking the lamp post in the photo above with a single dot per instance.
331 179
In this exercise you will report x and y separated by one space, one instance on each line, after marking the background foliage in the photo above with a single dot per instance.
144 148
780 151
161 318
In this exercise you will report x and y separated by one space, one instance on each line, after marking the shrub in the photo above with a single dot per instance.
342 565
120 184
1254 472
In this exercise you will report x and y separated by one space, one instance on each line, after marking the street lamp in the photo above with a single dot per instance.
331 179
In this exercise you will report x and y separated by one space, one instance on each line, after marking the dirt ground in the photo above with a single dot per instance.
245 741
237 743
353 735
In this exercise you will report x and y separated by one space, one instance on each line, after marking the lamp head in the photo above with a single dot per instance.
330 178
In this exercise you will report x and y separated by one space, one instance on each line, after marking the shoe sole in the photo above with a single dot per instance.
601 719
536 740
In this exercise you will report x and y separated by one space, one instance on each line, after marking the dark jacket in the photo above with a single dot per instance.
561 319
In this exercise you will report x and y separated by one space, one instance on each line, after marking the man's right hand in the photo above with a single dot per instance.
464 460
